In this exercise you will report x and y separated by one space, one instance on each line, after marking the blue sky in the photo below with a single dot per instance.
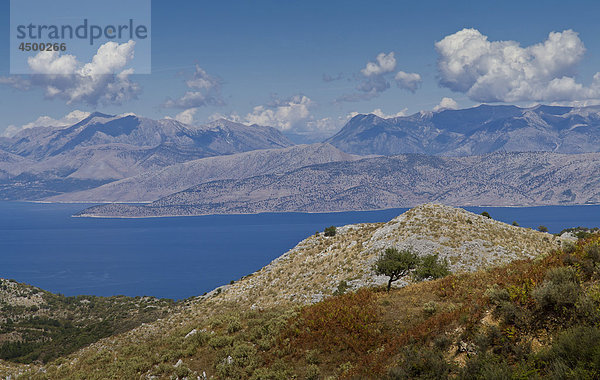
265 61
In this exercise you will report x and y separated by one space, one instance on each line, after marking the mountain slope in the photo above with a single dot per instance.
475 131
499 179
104 148
152 185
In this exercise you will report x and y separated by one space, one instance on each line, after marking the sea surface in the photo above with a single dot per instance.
179 257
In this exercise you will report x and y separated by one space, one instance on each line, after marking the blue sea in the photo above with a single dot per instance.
178 257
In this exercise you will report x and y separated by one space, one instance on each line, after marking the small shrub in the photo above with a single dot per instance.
542 229
575 352
312 372
430 307
313 357
234 326
420 364
559 289
486 214
330 231
220 341
515 224
592 252
341 288
497 295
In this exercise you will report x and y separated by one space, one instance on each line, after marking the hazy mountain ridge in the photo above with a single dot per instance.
475 131
104 148
152 185
499 179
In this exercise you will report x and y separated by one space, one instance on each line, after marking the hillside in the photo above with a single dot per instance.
258 328
499 179
475 131
152 185
36 325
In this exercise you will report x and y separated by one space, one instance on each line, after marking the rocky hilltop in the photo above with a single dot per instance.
317 265
499 179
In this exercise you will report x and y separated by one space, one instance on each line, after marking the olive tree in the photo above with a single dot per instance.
396 264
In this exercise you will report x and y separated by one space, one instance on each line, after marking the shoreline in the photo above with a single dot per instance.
312 212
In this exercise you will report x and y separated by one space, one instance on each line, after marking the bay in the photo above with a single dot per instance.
179 257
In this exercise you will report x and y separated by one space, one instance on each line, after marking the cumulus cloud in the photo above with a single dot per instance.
187 116
47 121
408 81
204 90
283 114
503 71
103 80
375 78
386 63
446 104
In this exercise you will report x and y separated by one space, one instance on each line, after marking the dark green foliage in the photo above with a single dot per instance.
574 354
421 364
486 214
60 325
515 224
542 229
486 366
396 264
330 231
431 267
559 290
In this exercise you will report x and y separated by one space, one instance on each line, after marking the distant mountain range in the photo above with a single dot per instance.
457 157
474 131
45 161
498 179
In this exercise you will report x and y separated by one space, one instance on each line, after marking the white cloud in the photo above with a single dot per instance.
46 121
283 114
375 79
103 80
506 72
408 81
386 63
204 90
446 104
379 113
187 116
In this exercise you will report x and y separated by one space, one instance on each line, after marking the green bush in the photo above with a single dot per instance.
430 307
330 231
542 229
420 364
560 289
575 354
486 214
486 366
431 267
